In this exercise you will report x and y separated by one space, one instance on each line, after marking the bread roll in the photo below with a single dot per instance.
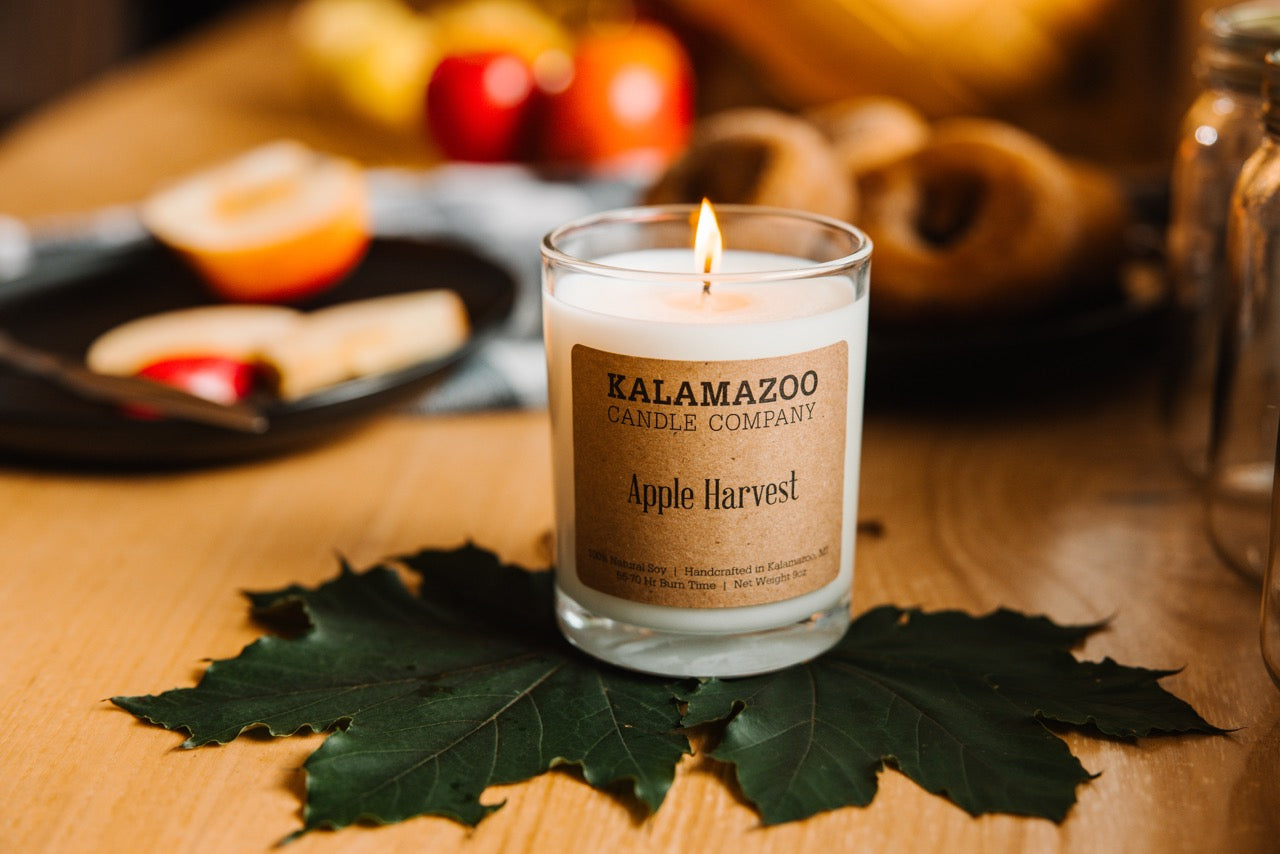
987 220
870 132
758 156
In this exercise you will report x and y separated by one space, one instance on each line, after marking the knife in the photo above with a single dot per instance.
108 388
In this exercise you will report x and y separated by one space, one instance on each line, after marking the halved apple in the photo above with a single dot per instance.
277 224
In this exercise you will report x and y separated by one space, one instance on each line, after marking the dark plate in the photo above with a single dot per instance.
1079 344
64 310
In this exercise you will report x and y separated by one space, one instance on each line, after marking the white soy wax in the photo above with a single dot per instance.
706 447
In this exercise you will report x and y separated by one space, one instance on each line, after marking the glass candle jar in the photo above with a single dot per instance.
1220 130
706 422
1242 455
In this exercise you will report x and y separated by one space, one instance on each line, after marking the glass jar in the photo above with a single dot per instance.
1242 454
1219 132
1270 623
662 565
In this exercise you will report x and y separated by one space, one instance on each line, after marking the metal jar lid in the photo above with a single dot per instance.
1236 42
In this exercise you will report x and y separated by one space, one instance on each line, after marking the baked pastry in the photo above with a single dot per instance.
987 220
753 155
870 131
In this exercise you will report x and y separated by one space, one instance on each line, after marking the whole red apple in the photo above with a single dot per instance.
629 103
479 106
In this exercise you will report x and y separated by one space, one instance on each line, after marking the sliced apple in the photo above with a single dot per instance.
277 224
235 332
217 378
219 351
365 337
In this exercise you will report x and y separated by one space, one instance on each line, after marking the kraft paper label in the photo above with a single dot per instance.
709 484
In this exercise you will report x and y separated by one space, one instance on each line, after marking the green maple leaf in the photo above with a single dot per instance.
431 698
957 703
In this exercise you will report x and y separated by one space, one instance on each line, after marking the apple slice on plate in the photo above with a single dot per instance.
365 337
210 351
234 332
276 224
218 351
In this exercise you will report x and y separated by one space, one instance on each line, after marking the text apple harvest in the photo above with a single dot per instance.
715 495
693 578
758 392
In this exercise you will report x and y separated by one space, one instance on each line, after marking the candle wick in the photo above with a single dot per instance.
706 283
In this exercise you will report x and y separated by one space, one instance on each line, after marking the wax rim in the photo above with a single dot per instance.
667 213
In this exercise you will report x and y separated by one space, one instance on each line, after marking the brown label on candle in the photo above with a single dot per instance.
709 484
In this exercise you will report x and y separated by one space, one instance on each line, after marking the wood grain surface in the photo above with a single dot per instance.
126 583
119 583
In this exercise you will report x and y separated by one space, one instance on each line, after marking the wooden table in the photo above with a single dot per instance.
1061 504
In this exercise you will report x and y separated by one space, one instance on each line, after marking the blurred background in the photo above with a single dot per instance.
104 102
47 48
1103 78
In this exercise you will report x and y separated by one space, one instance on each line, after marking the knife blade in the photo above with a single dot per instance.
140 391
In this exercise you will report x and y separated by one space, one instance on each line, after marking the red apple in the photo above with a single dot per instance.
217 378
479 106
629 103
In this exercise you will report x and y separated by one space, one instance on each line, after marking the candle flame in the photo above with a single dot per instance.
708 244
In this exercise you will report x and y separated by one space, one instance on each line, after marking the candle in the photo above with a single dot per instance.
706 423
